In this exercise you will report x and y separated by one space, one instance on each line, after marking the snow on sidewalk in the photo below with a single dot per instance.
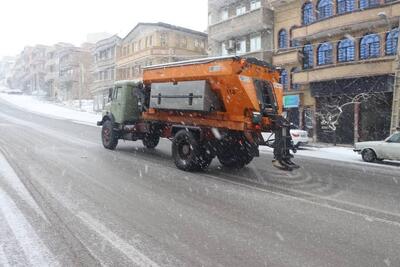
336 153
33 104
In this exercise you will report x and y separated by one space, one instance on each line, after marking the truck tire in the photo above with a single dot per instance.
151 140
188 154
234 156
109 136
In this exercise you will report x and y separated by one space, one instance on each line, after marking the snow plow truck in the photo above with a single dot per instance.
210 107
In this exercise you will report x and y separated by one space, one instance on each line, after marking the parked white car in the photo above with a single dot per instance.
299 137
380 150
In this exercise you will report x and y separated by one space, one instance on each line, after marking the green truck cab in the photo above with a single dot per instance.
125 104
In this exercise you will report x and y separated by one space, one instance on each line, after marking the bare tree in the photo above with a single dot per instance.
330 114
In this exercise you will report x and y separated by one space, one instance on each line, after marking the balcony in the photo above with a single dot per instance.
289 56
250 22
357 20
371 67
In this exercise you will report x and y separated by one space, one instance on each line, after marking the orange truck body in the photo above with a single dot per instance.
231 78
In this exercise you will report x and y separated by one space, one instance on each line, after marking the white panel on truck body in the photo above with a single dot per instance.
190 96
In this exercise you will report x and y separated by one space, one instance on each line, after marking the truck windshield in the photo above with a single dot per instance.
266 96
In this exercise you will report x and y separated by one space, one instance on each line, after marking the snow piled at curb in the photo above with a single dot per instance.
345 154
35 105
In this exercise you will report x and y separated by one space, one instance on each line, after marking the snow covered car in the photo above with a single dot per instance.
299 137
380 150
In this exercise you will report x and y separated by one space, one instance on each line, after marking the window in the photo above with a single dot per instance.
369 3
294 86
344 6
164 39
325 54
284 79
282 39
240 10
255 43
307 16
241 47
209 19
308 57
395 138
255 4
224 14
370 46
346 50
392 41
224 51
324 9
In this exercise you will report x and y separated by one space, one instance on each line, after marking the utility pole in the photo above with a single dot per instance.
82 80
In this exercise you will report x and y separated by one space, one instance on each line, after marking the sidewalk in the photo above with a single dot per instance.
52 109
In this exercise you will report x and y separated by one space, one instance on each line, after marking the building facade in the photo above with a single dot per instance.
52 69
104 56
242 27
74 73
333 53
37 71
157 43
6 65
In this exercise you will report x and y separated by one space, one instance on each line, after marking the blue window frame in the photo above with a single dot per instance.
282 39
370 46
294 86
369 3
325 9
344 6
284 79
346 50
308 13
392 38
325 54
308 57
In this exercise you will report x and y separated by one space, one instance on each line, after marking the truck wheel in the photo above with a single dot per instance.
109 136
368 155
234 157
151 140
187 152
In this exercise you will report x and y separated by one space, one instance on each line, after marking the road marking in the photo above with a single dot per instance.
324 205
35 251
132 253
11 178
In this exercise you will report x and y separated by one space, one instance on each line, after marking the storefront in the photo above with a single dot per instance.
364 119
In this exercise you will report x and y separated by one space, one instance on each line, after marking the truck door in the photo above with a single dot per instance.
116 104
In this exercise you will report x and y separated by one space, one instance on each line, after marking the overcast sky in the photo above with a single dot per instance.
30 22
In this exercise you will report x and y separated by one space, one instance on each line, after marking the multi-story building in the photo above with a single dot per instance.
21 71
156 43
37 68
6 65
103 70
240 27
74 72
52 69
330 52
